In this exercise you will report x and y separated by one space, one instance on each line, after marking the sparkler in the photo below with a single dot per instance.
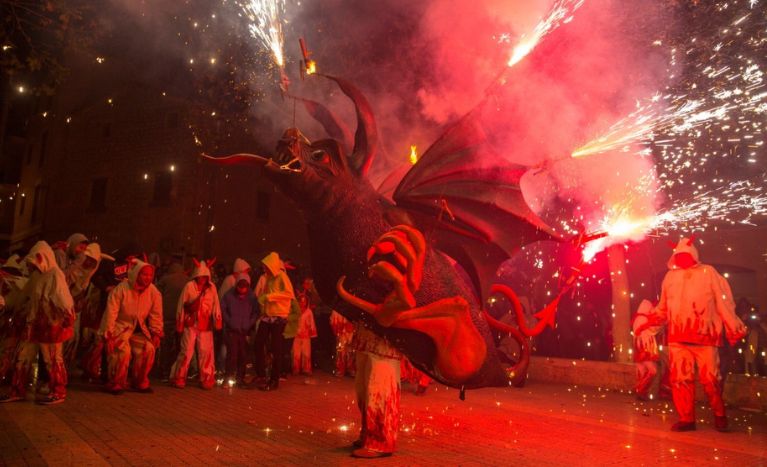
561 12
265 18
713 122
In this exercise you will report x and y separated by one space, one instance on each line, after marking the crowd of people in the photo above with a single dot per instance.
71 308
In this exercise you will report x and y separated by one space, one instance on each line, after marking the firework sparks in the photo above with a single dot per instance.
561 12
265 18
705 135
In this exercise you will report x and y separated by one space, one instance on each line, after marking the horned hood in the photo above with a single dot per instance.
201 269
685 245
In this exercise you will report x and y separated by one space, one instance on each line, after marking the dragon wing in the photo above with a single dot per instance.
467 199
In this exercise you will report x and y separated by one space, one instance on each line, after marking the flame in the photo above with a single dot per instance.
311 67
413 154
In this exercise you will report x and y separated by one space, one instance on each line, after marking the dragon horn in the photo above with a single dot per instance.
330 122
352 299
366 136
196 262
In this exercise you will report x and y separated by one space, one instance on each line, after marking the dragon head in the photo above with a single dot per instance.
315 172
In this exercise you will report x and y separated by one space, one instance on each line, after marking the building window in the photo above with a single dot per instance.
98 194
163 185
38 204
262 206
43 148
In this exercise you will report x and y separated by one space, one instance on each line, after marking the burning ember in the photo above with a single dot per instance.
413 154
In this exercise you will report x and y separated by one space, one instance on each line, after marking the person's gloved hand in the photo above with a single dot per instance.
734 335
646 340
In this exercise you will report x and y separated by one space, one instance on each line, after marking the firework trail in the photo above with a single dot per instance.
265 17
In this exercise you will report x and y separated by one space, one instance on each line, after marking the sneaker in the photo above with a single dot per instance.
9 398
51 400
720 423
683 426
364 453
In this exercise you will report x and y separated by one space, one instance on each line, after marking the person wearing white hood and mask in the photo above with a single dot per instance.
198 311
78 276
132 329
697 307
49 310
67 253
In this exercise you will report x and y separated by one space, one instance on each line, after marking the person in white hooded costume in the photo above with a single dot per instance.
198 311
67 253
48 308
78 276
132 329
697 307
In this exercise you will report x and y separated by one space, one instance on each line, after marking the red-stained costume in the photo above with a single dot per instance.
132 329
647 355
302 343
49 311
697 307
377 385
343 329
197 313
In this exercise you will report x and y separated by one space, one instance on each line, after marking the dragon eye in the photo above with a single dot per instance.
320 156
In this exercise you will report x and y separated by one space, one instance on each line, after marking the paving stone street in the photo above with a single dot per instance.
313 420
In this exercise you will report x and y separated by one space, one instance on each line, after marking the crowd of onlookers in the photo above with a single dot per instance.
119 319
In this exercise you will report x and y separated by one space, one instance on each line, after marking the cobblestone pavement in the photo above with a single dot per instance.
313 421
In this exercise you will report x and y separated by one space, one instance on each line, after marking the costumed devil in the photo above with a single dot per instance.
696 305
373 264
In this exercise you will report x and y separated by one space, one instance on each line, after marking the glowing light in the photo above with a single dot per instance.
561 12
172 168
21 89
311 67
266 25
413 154
100 59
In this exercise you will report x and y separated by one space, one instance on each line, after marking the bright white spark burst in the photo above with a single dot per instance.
266 25
706 136
560 13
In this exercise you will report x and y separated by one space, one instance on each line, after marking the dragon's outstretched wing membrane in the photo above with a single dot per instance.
468 200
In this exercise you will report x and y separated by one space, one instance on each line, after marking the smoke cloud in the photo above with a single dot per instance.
424 64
